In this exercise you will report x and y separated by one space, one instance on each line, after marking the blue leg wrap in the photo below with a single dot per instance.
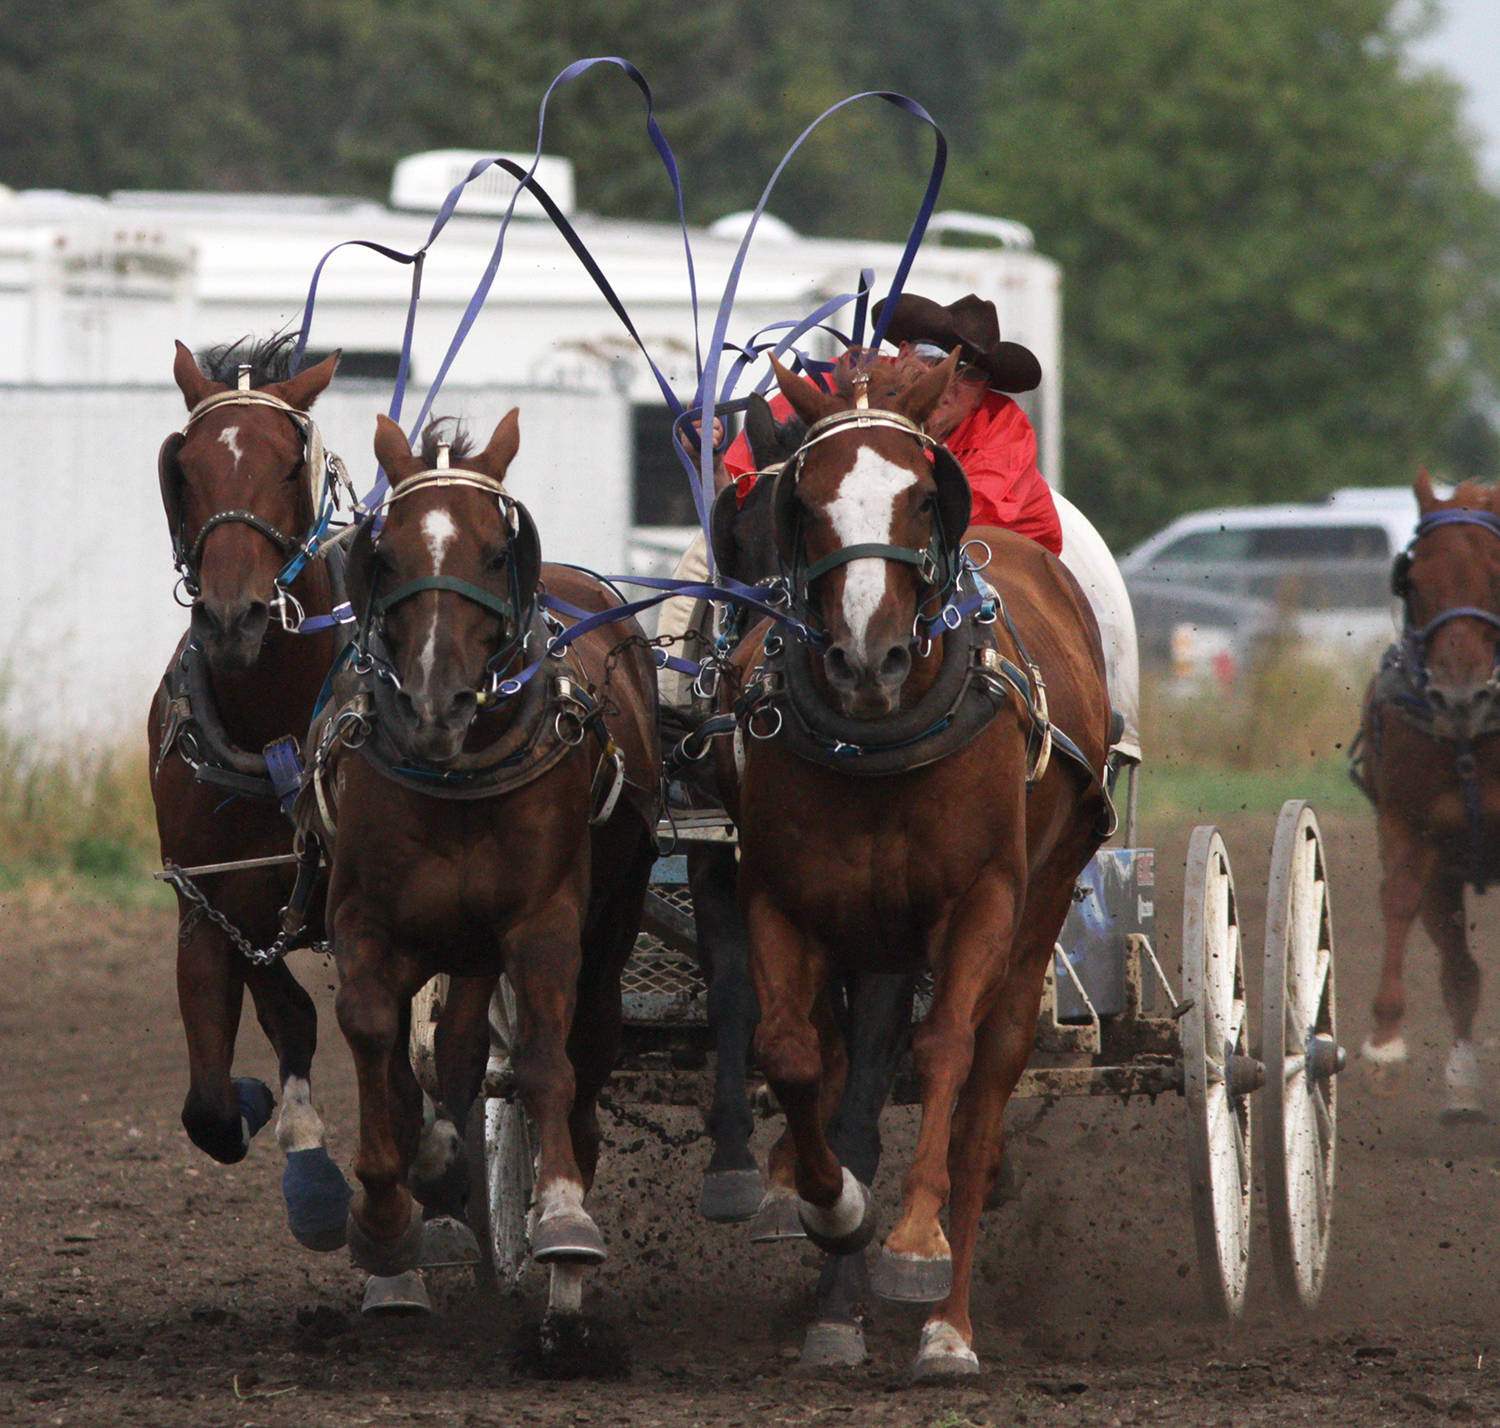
256 1103
317 1199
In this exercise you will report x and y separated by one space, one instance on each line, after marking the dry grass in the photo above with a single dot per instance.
86 814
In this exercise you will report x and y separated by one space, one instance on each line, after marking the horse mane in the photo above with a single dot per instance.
1476 495
269 359
449 432
889 376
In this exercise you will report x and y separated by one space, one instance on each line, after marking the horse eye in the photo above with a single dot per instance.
497 559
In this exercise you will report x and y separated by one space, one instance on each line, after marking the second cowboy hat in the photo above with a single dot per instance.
971 324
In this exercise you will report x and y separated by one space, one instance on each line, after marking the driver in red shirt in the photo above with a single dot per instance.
988 432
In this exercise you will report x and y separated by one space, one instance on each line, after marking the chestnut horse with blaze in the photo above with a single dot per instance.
238 485
1428 758
916 785
491 804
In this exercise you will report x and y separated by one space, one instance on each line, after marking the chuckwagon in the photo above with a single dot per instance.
1113 1024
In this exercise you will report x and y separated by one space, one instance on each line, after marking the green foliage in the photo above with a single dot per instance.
1280 264
1274 241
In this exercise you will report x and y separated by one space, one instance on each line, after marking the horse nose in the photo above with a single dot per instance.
232 630
450 713
867 684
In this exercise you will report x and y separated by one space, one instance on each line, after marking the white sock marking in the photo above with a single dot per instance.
842 1217
863 513
298 1124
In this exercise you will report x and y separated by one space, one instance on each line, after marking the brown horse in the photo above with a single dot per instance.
1429 759
237 483
481 822
908 795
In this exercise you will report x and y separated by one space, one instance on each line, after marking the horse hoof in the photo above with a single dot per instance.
396 1294
911 1279
386 1258
823 1224
943 1354
1385 1065
570 1235
831 1345
317 1199
777 1219
1462 1105
731 1196
448 1244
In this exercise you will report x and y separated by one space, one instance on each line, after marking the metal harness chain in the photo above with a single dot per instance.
672 1140
256 956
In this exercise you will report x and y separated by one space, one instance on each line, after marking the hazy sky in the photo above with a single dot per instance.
1467 44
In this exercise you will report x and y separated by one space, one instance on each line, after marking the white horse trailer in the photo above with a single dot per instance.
93 291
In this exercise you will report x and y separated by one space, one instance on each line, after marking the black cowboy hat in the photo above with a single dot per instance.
970 323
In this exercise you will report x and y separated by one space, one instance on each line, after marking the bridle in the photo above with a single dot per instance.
1415 638
938 563
324 469
516 609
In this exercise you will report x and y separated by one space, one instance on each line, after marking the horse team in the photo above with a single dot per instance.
914 758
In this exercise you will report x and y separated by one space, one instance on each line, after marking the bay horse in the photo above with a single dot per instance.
238 487
1428 758
490 805
917 783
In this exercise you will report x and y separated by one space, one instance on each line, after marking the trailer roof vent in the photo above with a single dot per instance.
422 181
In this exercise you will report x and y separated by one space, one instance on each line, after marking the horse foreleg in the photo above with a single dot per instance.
732 1184
542 960
837 1212
313 1188
877 1031
1002 1047
1443 918
1408 861
915 1263
385 1233
220 1114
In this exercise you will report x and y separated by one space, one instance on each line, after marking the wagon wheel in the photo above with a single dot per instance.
1302 1055
426 1012
1218 1073
501 1143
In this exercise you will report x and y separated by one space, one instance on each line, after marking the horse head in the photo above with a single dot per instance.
1449 579
867 517
445 590
237 488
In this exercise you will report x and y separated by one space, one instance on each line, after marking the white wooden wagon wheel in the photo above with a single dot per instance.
502 1152
1218 1072
1302 1056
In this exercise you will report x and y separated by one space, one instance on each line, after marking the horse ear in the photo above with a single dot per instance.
927 391
392 449
495 459
302 390
771 441
191 379
807 401
1422 489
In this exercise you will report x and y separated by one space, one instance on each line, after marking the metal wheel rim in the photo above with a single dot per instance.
1214 1029
1301 1129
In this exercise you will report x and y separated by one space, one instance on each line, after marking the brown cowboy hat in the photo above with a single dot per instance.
970 323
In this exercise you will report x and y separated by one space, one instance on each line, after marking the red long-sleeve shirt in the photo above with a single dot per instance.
996 446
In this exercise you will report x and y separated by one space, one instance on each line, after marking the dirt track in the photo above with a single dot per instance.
144 1284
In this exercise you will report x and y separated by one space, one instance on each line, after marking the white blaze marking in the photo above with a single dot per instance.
298 1125
863 513
439 532
230 436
